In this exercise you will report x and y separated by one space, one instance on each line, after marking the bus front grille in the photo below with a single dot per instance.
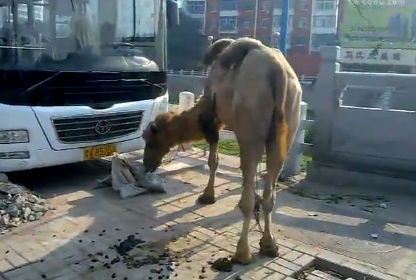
96 128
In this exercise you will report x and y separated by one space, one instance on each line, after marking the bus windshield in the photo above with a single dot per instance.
77 34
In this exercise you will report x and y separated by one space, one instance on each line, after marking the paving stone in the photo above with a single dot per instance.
15 259
280 269
315 277
68 243
287 243
5 265
322 275
292 255
304 260
274 276
283 251
313 251
17 273
331 257
290 265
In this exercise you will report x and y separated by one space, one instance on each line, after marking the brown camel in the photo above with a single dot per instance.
254 90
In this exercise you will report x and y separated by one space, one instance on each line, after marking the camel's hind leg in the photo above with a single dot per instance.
251 153
276 152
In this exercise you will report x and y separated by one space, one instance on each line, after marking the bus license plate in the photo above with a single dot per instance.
99 151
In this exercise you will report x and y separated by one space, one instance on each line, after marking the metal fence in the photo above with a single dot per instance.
306 80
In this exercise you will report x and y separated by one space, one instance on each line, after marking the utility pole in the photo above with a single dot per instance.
284 24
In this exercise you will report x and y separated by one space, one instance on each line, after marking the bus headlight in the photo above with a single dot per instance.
14 136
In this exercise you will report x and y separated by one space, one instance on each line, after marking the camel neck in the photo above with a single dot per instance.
185 127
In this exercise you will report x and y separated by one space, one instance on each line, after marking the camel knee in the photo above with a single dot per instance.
246 208
267 206
246 204
213 159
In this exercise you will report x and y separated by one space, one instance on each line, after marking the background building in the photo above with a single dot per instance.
312 23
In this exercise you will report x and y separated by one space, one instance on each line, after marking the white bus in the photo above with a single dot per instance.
81 79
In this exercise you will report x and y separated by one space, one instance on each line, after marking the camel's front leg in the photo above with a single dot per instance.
208 196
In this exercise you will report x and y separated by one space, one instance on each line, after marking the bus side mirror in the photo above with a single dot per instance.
172 8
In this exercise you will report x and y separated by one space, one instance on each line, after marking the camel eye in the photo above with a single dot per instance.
152 145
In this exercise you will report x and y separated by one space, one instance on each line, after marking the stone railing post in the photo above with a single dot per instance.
186 102
325 101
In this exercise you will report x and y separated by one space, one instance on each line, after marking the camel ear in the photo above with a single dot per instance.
153 128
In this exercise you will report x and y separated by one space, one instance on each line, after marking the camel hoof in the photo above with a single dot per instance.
205 199
242 258
268 247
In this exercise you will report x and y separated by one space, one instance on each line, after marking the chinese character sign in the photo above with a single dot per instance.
381 56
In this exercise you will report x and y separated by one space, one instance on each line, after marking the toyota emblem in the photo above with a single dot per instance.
102 127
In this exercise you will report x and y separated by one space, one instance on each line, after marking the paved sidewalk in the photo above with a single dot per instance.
87 234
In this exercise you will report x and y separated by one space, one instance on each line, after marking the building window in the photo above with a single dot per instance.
325 5
319 40
266 6
247 23
302 23
265 23
278 4
228 5
302 5
228 23
228 36
300 41
247 6
324 21
196 7
278 19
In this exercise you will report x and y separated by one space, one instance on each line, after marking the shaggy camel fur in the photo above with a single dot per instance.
254 90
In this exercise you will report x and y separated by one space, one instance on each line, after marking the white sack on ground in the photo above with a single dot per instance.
129 179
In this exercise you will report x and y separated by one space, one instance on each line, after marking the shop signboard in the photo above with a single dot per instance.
380 57
389 24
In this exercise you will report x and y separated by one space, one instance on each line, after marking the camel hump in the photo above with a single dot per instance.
213 51
235 53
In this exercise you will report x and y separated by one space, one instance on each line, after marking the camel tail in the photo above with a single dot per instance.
278 126
234 55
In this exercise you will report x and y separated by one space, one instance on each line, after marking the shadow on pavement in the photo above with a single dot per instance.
79 239
172 237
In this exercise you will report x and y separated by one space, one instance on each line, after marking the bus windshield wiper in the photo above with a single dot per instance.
145 81
41 83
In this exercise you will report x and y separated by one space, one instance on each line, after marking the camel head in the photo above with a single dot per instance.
158 141
213 51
